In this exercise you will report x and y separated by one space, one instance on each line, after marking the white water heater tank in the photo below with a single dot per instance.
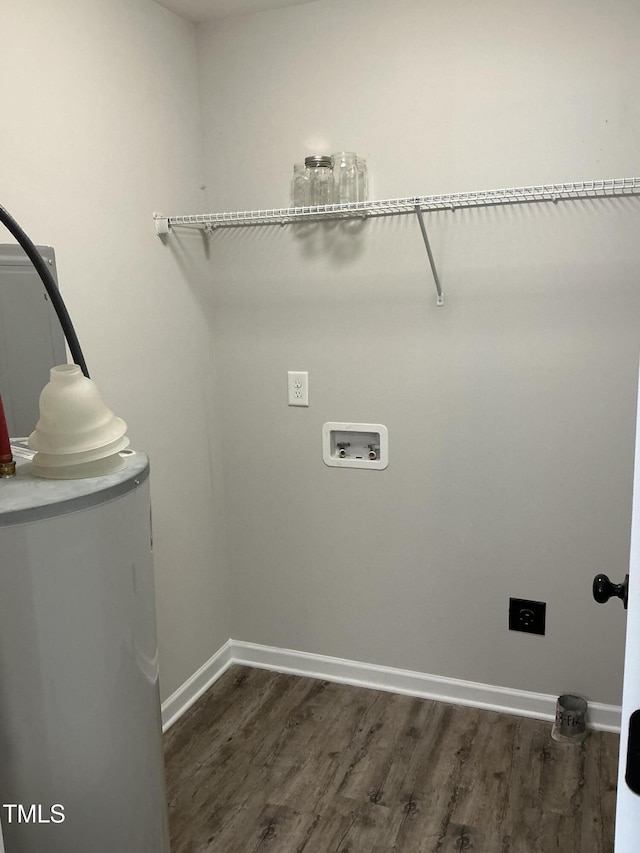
80 730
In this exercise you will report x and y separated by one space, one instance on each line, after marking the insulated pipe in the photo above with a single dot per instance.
7 465
47 279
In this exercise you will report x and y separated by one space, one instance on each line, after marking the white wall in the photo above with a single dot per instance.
101 127
510 410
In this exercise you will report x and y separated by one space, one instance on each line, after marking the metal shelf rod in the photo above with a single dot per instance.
439 299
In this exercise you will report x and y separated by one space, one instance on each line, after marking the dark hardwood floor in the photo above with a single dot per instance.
270 762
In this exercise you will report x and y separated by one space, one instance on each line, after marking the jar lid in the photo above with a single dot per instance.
317 161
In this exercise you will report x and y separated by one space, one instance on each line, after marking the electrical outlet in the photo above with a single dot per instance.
527 616
298 387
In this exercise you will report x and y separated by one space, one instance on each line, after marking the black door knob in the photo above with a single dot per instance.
604 589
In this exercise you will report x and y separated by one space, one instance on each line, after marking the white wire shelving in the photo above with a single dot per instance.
606 188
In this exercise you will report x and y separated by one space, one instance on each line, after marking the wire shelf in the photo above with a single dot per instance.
389 207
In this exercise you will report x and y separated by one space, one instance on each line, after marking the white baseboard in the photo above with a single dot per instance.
193 688
540 706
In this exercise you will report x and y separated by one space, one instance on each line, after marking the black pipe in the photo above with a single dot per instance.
47 279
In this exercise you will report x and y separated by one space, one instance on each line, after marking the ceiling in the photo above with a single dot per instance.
208 10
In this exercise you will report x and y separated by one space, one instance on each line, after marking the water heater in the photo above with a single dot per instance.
81 765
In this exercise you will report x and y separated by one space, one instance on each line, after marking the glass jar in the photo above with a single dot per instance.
298 182
363 180
345 176
319 175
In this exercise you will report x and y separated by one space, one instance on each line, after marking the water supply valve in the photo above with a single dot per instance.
355 445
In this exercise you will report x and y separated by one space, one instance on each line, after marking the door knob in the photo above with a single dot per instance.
604 589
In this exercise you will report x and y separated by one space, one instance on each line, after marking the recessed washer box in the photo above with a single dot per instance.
355 445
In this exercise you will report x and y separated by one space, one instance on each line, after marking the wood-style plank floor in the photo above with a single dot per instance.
270 762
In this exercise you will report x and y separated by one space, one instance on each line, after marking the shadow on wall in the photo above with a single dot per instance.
340 239
191 251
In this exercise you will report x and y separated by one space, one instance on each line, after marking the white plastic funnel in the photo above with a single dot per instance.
76 429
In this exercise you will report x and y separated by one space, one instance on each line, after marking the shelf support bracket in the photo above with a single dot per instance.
439 299
161 223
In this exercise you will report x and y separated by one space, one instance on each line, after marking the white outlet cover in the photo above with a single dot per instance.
298 387
358 436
